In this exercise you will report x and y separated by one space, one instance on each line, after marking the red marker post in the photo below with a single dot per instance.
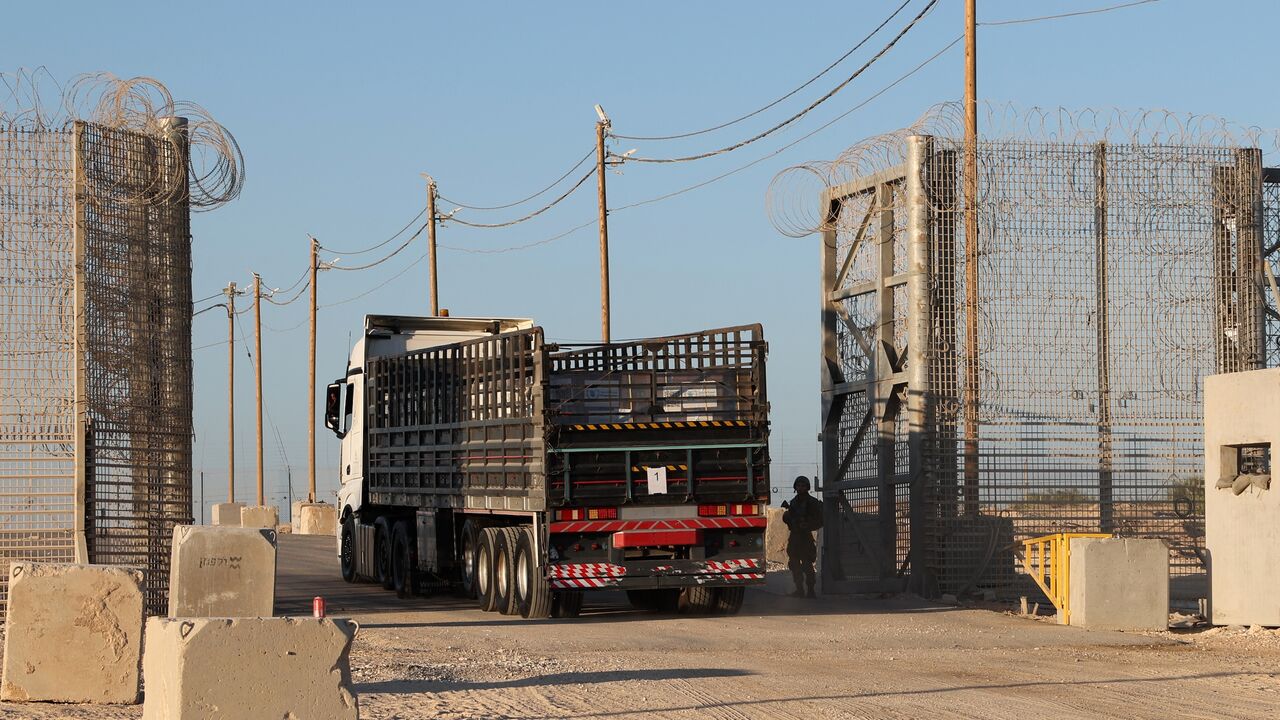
317 607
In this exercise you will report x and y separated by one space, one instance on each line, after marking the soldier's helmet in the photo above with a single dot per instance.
801 483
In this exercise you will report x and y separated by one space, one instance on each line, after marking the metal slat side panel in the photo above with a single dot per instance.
681 393
455 425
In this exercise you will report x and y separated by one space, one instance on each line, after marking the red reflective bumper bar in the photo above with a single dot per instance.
654 538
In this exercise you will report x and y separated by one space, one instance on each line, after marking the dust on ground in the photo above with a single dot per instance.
782 657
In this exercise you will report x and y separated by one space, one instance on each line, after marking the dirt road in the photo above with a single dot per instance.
781 658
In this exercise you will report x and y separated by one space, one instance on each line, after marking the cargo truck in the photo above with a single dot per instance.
476 455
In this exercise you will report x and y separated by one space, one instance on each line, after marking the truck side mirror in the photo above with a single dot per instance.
333 408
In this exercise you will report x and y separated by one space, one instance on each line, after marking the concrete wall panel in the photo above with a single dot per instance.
1242 530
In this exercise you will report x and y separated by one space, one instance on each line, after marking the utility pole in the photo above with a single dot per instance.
231 392
257 370
971 258
431 245
311 380
602 128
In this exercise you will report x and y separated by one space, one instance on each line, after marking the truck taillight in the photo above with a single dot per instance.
726 509
601 513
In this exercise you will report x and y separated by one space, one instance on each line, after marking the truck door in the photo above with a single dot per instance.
352 422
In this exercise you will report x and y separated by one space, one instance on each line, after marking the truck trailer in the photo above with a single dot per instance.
477 456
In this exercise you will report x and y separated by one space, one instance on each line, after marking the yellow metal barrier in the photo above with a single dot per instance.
1047 560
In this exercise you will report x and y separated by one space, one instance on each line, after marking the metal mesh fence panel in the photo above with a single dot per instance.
137 288
95 343
37 332
1111 278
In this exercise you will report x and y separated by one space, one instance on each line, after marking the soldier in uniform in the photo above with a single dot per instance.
803 518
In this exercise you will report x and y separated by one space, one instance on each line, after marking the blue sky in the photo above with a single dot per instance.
340 107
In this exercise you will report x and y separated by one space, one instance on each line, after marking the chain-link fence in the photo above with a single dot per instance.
1064 393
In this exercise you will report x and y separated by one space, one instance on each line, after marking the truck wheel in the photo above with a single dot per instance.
347 550
403 562
470 546
485 580
698 600
729 600
504 570
533 594
382 553
566 603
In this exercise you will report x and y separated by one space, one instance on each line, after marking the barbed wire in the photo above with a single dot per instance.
214 164
791 199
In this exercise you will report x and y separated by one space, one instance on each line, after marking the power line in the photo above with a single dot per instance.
375 263
806 84
379 286
533 214
296 296
205 310
1077 13
526 246
800 139
371 248
305 276
759 136
523 200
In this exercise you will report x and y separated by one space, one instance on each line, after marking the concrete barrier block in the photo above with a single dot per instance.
73 633
222 572
775 537
249 668
1119 584
317 519
227 514
259 516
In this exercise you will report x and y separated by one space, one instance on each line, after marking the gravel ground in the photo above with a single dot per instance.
781 658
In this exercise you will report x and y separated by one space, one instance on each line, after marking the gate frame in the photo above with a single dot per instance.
892 372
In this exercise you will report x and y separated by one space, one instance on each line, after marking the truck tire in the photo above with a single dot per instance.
566 603
403 560
486 551
698 600
533 594
347 549
470 545
382 553
729 600
504 570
